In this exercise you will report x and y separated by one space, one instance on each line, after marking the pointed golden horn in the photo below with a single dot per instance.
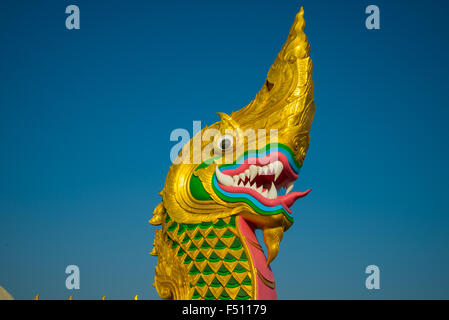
103 298
136 297
285 101
287 75
36 297
70 298
297 46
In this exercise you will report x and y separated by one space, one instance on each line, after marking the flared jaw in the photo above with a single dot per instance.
267 181
260 185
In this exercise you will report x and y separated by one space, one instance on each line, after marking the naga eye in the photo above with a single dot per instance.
225 142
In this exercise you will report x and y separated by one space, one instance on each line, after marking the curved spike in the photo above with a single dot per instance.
70 298
272 238
156 220
297 45
227 120
223 116
136 297
36 297
153 252
158 213
103 298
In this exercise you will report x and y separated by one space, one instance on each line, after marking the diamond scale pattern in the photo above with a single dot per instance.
215 258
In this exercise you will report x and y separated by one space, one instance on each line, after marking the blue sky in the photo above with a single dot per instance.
86 115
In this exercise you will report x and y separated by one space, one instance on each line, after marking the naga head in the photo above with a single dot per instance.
242 164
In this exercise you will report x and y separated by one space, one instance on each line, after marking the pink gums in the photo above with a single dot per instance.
287 175
272 157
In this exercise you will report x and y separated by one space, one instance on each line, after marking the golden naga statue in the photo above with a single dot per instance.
228 181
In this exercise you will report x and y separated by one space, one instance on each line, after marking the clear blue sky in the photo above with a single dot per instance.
86 115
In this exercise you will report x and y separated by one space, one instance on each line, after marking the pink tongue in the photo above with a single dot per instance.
289 199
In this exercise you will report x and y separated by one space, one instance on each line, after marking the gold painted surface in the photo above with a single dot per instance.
187 268
285 103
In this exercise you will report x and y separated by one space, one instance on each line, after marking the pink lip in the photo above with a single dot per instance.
287 175
286 200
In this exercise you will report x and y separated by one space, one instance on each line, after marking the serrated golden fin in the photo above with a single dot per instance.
158 214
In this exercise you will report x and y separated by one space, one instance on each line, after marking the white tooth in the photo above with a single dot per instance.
224 179
272 194
265 170
254 186
252 172
265 193
289 187
242 176
248 185
247 173
260 171
236 180
278 167
271 168
259 189
241 184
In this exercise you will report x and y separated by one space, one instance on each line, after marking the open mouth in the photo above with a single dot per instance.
264 179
